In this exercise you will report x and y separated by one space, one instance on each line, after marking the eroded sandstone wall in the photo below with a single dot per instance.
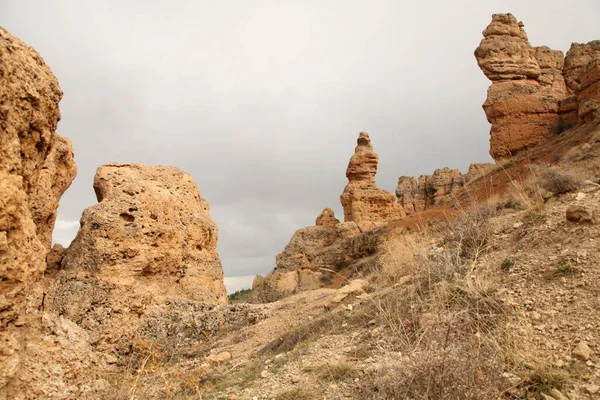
536 92
36 167
442 187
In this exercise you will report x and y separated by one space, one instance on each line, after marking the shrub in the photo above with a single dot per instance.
470 233
555 179
337 372
240 295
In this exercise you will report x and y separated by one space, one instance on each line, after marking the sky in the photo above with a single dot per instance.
262 101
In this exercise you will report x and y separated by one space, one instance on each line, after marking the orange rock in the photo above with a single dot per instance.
150 234
36 167
363 202
535 92
327 218
429 190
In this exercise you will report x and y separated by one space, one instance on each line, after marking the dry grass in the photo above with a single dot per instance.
556 179
337 372
399 256
448 324
297 394
150 375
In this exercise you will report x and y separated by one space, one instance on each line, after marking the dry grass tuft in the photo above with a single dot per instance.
556 179
447 323
457 372
297 394
337 372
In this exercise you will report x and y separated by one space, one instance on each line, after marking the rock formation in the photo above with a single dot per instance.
150 234
327 218
313 256
363 202
36 167
429 190
535 92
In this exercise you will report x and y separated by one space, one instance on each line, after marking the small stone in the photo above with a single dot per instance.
221 357
264 374
582 351
580 196
579 214
295 379
349 307
592 389
110 359
556 394
517 225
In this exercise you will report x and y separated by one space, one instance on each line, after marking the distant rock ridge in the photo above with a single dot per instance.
443 187
536 92
363 202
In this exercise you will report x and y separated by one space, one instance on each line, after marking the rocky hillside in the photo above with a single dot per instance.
461 286
540 104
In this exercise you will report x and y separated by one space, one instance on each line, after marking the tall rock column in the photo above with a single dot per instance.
527 87
363 202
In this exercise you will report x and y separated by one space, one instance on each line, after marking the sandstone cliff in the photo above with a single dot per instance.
363 202
36 167
536 92
443 187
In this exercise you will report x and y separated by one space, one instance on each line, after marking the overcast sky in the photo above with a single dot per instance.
262 101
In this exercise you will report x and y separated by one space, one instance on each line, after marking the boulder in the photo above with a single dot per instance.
148 244
151 232
580 214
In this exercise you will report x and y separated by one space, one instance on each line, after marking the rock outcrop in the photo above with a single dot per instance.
363 202
313 257
536 92
36 167
429 190
327 218
150 235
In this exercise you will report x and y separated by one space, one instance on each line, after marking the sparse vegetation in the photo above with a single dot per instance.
337 372
542 381
555 179
240 295
297 394
507 265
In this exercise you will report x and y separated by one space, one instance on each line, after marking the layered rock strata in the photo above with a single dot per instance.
444 186
536 92
364 203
